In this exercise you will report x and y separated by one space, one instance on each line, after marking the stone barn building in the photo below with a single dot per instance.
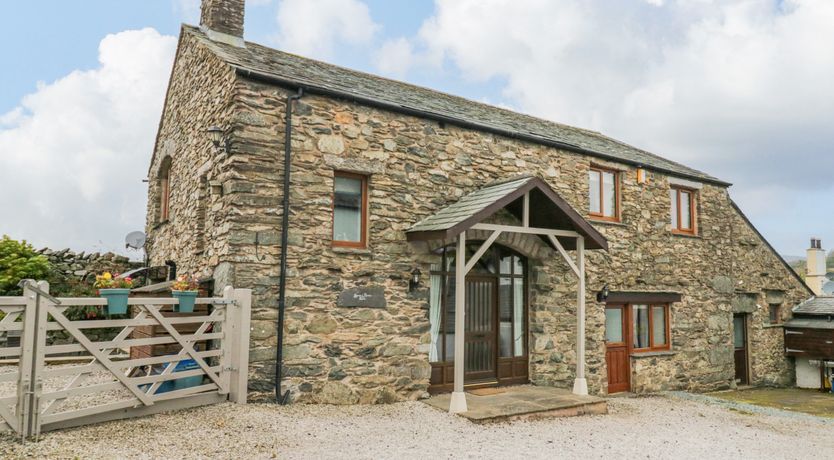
397 195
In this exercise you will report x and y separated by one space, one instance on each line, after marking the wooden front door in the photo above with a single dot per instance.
740 345
481 329
616 348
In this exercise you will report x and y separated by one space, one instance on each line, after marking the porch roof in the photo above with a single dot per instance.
548 210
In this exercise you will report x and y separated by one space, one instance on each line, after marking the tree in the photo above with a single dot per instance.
19 260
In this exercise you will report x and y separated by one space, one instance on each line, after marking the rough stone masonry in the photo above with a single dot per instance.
221 203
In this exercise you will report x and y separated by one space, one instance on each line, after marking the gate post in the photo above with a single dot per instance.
237 339
32 348
25 365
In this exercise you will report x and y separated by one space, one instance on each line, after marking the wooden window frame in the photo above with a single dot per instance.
165 191
693 204
363 226
774 313
601 215
668 330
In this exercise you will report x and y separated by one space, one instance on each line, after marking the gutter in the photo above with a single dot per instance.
282 397
322 91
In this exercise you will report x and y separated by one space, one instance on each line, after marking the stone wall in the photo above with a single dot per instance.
368 355
68 265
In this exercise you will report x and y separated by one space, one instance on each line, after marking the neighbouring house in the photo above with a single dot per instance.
582 262
809 334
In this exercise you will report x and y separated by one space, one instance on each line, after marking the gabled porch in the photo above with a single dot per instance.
539 212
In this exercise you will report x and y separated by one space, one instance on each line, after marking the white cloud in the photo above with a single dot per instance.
314 27
75 151
740 89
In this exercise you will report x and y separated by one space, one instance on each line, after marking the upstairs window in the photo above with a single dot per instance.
164 180
682 211
350 209
774 313
604 194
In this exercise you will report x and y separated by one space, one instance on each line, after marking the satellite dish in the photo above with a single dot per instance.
135 240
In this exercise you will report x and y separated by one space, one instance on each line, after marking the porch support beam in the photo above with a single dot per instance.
580 385
525 213
480 252
527 230
457 404
565 255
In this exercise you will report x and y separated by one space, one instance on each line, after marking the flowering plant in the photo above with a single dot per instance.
107 281
185 283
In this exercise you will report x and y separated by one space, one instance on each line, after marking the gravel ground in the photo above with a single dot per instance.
646 427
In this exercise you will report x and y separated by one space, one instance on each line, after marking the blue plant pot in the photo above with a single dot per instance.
186 299
116 300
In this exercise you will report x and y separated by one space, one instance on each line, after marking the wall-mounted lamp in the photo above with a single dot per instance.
602 295
218 138
414 282
641 175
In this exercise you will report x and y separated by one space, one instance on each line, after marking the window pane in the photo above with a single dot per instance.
518 316
505 314
518 263
686 203
614 325
347 207
435 351
449 331
738 331
641 326
658 326
774 313
609 194
593 185
505 264
673 196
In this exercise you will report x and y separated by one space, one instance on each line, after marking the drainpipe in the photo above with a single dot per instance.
280 396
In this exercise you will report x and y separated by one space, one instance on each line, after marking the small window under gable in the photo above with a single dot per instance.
682 211
164 183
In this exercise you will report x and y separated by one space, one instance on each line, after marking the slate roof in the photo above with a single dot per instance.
547 210
823 305
809 323
468 206
315 75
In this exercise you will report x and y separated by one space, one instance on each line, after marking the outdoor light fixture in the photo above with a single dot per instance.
414 282
602 295
218 139
641 175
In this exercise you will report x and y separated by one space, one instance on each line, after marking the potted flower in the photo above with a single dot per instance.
185 290
116 290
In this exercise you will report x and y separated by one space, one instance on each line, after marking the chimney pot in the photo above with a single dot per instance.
224 16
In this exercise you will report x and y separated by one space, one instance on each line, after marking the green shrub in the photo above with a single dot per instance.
19 260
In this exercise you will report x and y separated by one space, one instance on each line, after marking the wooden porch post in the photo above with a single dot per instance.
580 385
458 402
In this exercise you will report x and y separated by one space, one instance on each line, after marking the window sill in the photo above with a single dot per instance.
350 250
652 354
617 223
686 235
773 326
160 224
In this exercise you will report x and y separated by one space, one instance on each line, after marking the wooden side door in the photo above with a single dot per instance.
616 348
740 346
481 347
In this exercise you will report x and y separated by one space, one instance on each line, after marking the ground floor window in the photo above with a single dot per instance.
647 323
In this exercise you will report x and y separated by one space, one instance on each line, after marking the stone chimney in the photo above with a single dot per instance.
222 20
815 268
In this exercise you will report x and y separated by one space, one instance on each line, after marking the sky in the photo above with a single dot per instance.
743 90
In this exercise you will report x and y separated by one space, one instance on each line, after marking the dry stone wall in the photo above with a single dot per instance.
80 266
373 354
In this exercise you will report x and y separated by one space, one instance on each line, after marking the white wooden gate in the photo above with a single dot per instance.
89 380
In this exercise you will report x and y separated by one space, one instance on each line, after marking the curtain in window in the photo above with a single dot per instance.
518 316
434 317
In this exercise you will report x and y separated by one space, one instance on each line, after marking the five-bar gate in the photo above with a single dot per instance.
58 370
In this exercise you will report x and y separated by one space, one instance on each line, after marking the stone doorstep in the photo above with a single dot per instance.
524 403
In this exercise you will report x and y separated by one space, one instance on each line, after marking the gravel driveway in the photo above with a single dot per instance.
648 427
